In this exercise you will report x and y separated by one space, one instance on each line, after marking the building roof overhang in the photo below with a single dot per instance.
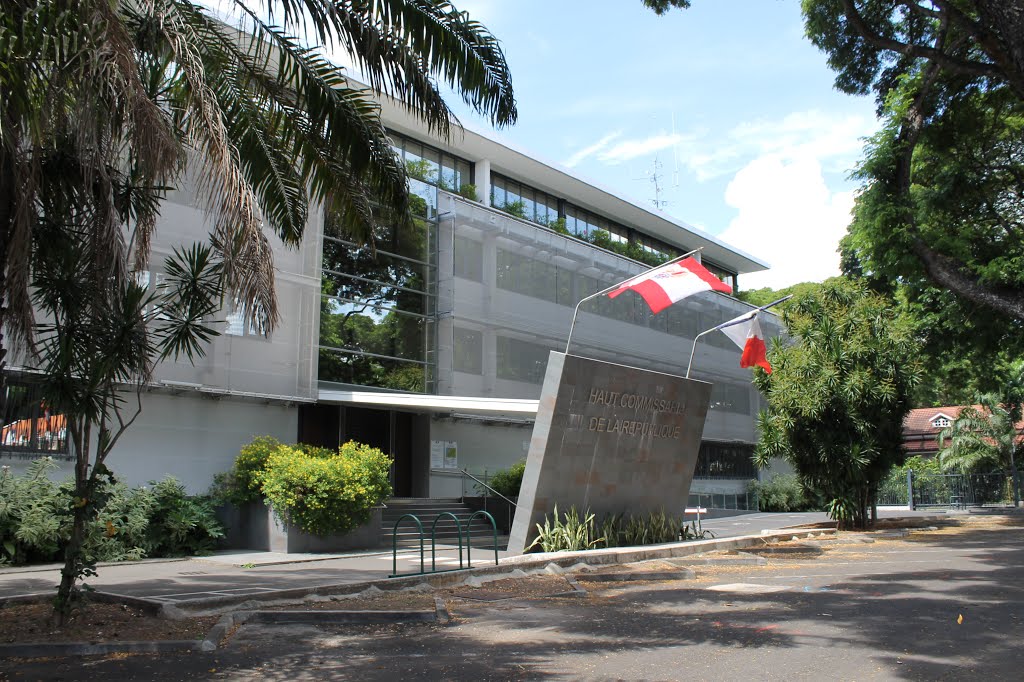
436 404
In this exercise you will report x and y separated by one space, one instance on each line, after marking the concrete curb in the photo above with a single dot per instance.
622 577
341 617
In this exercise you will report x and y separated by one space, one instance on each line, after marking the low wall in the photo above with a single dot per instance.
255 526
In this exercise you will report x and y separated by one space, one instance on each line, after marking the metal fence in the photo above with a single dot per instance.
954 491
742 501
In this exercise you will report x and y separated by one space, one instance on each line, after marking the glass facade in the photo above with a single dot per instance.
433 166
515 285
377 306
725 460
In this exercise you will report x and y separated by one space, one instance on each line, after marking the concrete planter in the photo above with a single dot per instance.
255 526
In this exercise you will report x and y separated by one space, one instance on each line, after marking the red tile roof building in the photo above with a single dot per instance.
922 426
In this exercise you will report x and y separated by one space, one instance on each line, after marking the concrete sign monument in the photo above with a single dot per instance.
611 439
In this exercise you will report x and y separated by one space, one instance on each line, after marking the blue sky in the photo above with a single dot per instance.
734 103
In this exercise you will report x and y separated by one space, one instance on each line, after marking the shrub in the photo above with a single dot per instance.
180 524
572 532
782 493
625 530
326 495
242 484
30 514
130 523
508 481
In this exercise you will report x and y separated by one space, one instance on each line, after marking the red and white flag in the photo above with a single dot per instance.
666 284
745 332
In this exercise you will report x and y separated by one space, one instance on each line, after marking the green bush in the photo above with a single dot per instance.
508 481
326 495
130 523
242 484
30 514
783 493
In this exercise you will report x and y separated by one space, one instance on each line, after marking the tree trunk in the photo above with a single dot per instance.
81 505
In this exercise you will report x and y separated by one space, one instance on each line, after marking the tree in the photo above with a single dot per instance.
838 393
106 105
944 175
982 438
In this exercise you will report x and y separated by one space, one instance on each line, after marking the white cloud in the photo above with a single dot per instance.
836 140
589 151
631 149
788 217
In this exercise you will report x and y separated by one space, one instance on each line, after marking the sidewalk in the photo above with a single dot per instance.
236 573
232 576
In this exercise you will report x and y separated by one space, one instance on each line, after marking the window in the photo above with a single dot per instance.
468 351
725 460
520 360
431 165
29 425
469 259
941 422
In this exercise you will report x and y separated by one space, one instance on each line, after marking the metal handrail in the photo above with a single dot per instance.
466 473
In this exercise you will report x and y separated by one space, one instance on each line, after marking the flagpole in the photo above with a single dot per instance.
616 285
729 323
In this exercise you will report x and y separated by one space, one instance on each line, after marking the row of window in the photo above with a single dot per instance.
430 165
529 276
526 361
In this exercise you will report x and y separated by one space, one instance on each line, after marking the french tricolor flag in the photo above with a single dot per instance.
674 281
745 332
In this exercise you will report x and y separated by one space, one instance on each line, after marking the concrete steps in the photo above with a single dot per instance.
445 532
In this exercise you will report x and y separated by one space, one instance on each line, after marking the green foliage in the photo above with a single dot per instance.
179 524
30 523
981 439
242 484
514 208
766 295
575 531
839 392
125 524
783 493
326 494
508 481
626 530
570 532
468 191
422 170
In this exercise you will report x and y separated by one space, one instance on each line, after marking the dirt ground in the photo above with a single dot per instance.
101 622
96 622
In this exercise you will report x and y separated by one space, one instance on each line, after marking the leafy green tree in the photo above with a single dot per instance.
105 105
943 176
766 295
982 438
838 393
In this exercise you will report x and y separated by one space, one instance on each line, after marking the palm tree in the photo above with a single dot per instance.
982 437
104 106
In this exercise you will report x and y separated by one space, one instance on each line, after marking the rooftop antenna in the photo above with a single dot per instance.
654 176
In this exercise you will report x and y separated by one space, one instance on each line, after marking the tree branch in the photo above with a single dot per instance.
962 66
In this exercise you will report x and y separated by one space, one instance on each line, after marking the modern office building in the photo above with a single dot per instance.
433 344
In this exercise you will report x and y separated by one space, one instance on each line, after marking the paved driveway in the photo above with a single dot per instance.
935 605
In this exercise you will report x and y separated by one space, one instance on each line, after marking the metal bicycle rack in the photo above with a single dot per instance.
433 543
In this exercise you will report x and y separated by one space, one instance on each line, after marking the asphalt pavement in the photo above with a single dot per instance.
936 604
